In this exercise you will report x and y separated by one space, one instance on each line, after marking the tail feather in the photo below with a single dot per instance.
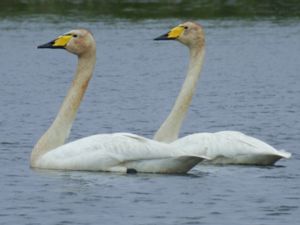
284 154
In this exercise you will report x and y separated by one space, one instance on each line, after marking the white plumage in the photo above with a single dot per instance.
230 147
118 152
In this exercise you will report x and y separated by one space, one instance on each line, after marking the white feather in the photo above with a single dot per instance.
118 152
230 147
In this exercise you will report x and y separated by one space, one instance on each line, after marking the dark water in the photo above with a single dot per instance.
250 82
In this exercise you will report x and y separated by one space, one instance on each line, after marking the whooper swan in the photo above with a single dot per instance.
225 147
118 152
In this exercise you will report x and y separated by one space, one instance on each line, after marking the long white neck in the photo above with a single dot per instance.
169 130
59 130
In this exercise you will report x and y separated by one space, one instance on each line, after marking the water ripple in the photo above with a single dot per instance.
241 88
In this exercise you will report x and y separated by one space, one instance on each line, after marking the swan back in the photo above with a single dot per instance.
118 152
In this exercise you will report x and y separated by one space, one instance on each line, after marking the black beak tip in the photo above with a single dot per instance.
162 37
157 39
47 45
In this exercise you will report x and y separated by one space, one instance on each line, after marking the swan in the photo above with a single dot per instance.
225 147
117 152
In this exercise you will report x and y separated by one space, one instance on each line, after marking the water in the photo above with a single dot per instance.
250 82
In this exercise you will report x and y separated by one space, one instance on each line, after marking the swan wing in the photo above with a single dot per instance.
231 147
257 145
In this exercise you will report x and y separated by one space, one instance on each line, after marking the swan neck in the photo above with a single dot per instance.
170 128
59 130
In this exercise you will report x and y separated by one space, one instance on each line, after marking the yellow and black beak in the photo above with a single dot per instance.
173 34
59 42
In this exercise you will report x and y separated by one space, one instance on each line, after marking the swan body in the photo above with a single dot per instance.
118 152
226 147
230 147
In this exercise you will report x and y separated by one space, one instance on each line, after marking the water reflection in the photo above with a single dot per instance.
145 9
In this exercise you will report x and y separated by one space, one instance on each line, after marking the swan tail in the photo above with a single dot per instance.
284 154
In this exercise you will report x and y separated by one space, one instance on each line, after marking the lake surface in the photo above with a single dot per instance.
250 82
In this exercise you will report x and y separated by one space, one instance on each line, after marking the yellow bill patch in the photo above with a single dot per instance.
175 32
62 40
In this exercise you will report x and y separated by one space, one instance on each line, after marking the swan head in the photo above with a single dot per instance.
77 42
190 34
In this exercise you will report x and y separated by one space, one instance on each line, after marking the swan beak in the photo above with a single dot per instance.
59 42
173 34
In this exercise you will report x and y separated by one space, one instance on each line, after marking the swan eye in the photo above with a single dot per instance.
75 35
185 27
